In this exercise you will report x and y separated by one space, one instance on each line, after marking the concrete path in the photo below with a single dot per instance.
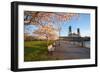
67 50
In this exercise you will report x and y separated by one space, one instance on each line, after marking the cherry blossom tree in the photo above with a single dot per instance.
42 20
46 32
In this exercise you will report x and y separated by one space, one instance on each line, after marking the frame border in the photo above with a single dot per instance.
14 35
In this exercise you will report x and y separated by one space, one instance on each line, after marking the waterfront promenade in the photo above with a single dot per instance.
68 50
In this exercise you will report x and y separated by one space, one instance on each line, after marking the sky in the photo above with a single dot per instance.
82 22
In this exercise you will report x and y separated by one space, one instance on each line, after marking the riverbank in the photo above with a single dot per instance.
67 50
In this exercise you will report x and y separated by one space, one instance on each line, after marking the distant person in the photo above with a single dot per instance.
51 49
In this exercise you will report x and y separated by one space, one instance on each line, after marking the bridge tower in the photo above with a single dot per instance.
78 31
70 30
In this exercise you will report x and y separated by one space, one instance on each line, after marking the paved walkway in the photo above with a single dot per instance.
67 50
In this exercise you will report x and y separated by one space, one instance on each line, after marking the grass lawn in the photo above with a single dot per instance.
36 50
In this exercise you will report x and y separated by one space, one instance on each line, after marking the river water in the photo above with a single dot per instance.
87 44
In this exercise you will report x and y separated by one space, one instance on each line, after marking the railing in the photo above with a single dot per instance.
81 41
